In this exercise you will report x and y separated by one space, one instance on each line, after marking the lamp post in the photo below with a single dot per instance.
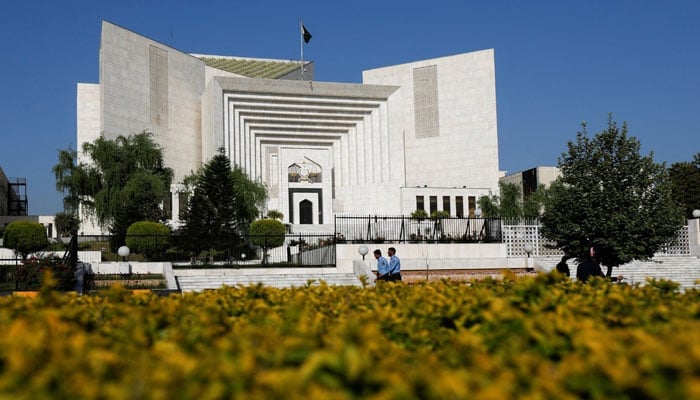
124 267
363 250
696 213
123 252
477 214
528 249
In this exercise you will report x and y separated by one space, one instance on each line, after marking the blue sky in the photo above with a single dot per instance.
558 63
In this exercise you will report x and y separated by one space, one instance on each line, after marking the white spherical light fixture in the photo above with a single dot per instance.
123 251
363 250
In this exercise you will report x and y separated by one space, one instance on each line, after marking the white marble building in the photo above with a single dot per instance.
416 135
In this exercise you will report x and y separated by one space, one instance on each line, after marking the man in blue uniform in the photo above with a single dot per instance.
382 266
394 265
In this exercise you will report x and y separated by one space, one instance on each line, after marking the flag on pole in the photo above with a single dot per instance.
305 34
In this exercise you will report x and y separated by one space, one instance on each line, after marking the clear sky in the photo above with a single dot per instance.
558 63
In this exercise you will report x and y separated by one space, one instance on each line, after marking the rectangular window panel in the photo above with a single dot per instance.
183 198
433 204
420 203
446 204
472 205
168 205
459 205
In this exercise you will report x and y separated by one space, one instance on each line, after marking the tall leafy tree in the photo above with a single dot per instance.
612 197
123 182
685 184
67 223
489 206
223 203
67 180
533 204
510 205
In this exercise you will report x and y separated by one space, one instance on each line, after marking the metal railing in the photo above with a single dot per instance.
403 229
295 250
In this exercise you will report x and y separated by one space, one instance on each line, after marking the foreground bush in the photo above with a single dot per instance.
510 339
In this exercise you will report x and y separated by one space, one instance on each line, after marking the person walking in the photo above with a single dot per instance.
590 268
563 267
382 266
394 265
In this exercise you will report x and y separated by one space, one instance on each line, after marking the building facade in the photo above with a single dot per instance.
529 180
415 135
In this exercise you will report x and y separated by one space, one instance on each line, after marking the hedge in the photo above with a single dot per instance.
513 338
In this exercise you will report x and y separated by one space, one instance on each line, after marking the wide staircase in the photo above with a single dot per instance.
685 270
197 283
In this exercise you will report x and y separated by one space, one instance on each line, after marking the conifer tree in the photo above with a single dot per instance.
223 203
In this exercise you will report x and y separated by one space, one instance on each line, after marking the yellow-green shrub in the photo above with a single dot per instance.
507 339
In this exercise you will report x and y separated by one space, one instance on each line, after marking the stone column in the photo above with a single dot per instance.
694 236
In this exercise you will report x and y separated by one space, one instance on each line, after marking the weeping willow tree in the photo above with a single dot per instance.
123 182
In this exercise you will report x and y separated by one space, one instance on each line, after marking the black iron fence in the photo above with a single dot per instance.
289 250
402 229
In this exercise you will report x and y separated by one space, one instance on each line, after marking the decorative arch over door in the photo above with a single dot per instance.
312 200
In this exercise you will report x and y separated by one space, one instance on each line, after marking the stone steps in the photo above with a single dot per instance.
203 282
684 270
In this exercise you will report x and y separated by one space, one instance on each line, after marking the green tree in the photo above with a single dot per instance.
510 204
268 234
67 223
534 203
68 177
223 204
685 184
124 181
25 237
419 215
148 238
612 197
489 206
275 214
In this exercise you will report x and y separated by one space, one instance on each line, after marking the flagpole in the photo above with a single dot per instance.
301 46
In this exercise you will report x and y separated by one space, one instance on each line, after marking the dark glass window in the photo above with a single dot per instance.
472 205
446 204
459 205
433 204
420 203
168 205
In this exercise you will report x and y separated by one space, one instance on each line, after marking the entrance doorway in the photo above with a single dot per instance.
306 213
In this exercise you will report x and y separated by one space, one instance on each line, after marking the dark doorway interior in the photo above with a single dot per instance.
306 216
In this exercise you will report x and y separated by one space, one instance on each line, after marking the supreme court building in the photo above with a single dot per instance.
416 135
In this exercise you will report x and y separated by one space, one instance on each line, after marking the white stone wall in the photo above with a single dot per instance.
409 194
125 83
436 256
465 152
268 124
368 130
88 115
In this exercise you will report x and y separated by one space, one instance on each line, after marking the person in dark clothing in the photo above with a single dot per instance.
590 268
563 267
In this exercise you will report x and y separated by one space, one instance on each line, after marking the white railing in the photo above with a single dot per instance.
516 236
